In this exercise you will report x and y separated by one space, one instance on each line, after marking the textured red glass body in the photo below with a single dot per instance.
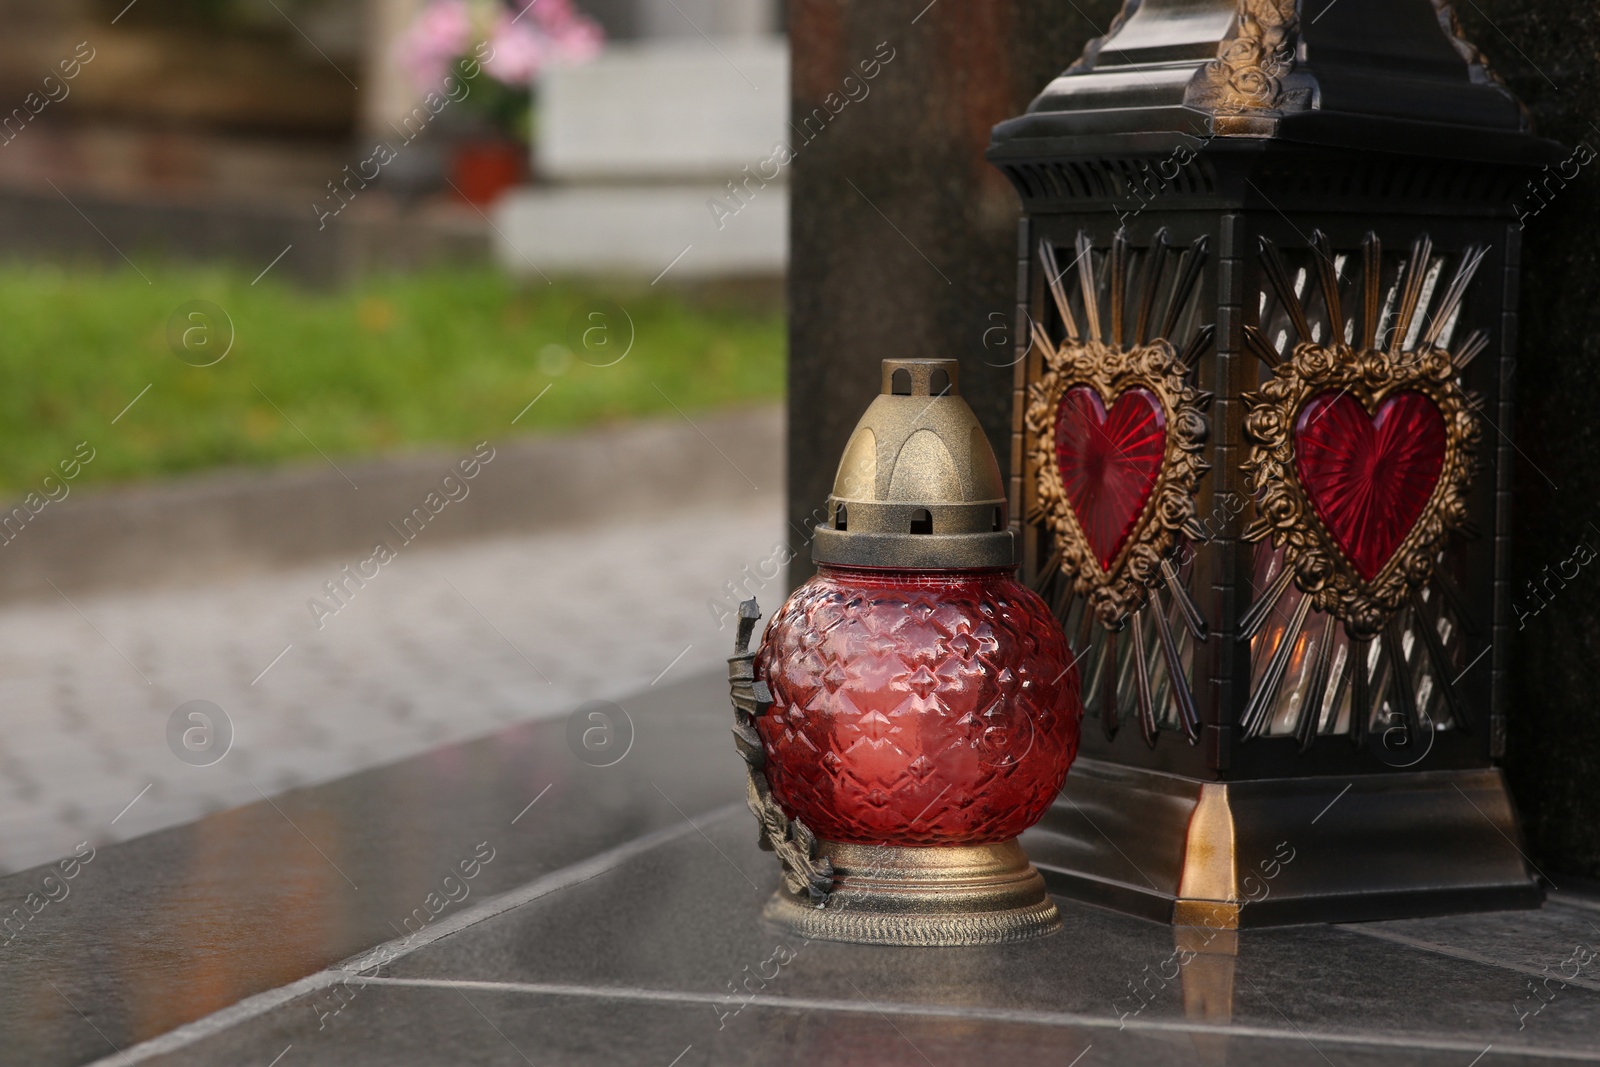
1369 476
1108 462
917 709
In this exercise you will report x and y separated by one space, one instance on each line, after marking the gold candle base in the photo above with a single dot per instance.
938 895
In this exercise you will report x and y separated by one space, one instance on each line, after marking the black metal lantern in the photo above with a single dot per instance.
1262 456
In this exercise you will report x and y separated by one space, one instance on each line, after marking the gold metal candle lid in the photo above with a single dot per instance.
919 486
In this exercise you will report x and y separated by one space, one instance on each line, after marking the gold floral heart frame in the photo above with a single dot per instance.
1370 375
1084 359
1115 592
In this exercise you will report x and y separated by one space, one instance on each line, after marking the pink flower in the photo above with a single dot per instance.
544 32
575 40
521 39
441 34
518 50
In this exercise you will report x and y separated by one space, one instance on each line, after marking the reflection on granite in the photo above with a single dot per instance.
1535 941
698 929
164 929
604 927
665 954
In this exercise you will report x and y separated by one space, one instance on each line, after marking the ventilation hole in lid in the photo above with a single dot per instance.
939 383
841 518
921 521
999 518
900 384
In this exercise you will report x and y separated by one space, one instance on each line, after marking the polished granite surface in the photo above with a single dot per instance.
617 922
164 929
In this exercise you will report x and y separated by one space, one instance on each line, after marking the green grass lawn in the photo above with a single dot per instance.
440 358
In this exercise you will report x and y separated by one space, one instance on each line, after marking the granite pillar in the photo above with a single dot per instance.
1546 53
903 239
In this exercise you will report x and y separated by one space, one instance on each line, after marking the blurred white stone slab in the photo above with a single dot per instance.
664 110
643 230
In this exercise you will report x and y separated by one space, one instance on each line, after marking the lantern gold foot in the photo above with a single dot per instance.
944 895
1233 855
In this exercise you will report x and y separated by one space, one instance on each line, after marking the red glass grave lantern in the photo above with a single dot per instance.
912 708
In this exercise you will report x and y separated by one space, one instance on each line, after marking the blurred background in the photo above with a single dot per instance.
202 127
275 275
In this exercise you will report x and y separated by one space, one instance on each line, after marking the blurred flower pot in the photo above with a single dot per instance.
482 169
485 58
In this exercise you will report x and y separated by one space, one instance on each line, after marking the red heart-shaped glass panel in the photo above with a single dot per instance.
1108 462
1369 477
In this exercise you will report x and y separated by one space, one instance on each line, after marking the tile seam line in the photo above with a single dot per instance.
1014 1015
261 1003
1434 948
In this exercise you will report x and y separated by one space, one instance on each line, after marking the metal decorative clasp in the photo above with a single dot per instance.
795 845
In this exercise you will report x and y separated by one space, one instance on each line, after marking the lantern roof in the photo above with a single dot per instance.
1394 75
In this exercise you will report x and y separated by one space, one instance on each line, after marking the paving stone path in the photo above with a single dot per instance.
444 644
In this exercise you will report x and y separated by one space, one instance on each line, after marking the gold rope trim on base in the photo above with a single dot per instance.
948 931
985 894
